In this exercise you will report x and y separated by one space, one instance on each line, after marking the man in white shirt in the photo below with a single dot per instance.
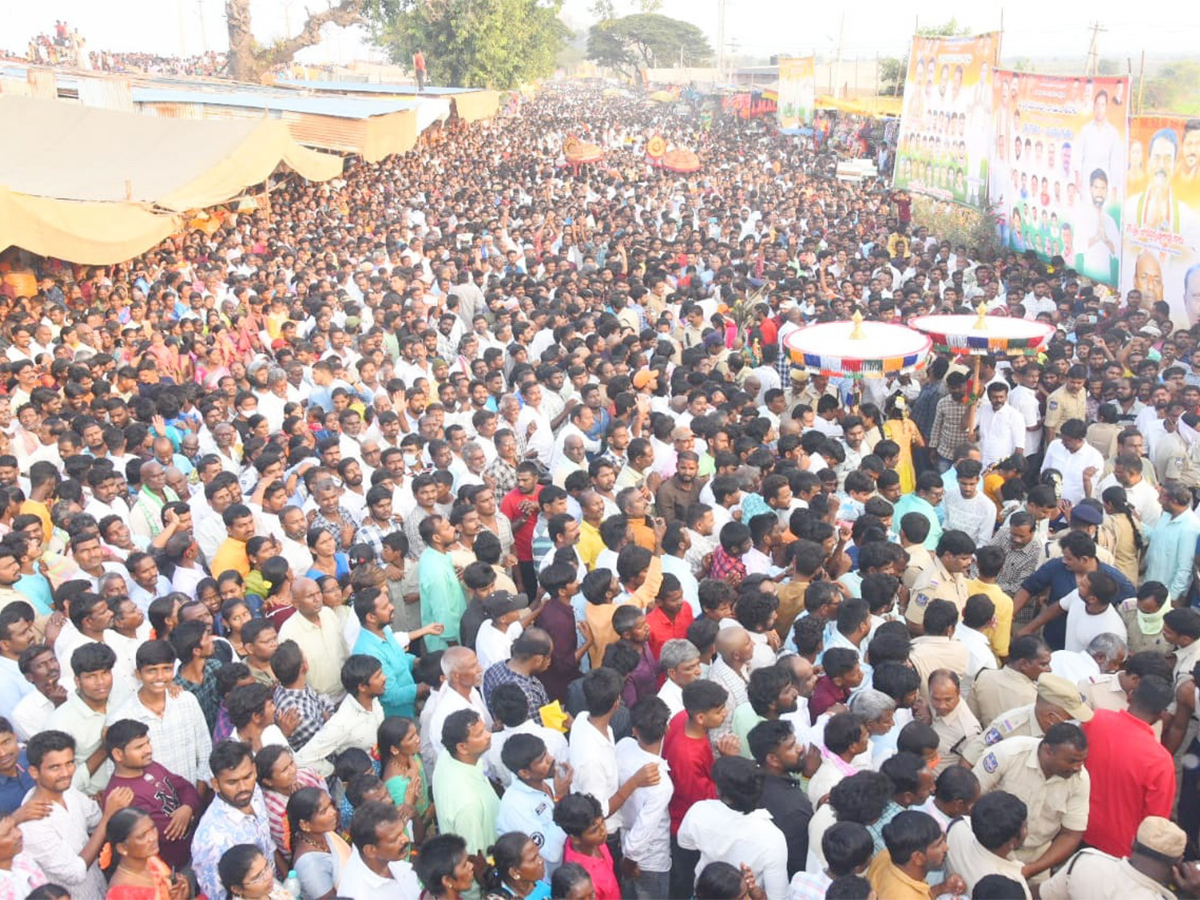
1076 460
460 690
1023 398
1142 496
967 508
646 828
377 866
594 753
733 829
1001 426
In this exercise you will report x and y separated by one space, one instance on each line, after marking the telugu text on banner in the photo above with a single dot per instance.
1162 215
1058 168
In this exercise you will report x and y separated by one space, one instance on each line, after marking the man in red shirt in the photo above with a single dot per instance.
520 507
689 753
670 617
1132 773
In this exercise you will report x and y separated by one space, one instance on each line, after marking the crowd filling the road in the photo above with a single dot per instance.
461 528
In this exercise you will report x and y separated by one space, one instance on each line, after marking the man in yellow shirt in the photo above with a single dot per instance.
915 846
239 525
590 543
989 561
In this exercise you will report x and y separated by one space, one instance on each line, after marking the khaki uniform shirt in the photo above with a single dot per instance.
1062 405
972 861
1019 722
1104 692
1054 804
995 691
954 731
935 583
1098 876
930 653
919 559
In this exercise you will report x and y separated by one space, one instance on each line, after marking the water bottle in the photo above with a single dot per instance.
292 885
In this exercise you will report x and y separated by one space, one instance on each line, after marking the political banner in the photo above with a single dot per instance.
945 125
1161 256
1058 168
797 92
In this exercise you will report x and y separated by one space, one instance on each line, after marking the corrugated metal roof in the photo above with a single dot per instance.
340 107
363 87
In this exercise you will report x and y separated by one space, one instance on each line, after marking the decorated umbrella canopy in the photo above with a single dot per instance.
681 160
858 349
982 334
579 153
662 97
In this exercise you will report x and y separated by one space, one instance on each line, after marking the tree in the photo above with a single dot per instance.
248 61
646 40
478 43
892 72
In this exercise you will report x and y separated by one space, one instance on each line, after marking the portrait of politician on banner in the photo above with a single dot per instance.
1162 215
945 125
797 92
1058 168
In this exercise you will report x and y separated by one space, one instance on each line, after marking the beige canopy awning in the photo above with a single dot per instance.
98 186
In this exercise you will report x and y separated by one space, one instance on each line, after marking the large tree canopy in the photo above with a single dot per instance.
478 43
647 40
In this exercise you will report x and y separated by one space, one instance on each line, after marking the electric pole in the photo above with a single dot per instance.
1093 56
721 41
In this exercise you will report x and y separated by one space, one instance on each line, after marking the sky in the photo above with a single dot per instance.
754 27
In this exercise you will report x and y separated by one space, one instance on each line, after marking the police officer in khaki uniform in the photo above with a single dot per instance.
953 720
944 580
1057 701
1048 775
996 691
1068 402
1154 863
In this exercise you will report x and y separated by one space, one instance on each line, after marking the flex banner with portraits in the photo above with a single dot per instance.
945 126
1058 168
797 92
1162 215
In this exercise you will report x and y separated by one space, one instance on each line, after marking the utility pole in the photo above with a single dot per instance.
1093 56
837 66
721 41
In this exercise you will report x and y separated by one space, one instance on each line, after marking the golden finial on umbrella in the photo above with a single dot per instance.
981 322
857 333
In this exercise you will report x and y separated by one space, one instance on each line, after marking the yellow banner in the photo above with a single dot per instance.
797 91
944 146
1161 255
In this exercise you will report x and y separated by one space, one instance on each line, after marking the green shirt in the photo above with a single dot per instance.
744 720
442 598
466 803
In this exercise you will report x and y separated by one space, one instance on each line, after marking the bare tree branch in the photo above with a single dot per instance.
343 14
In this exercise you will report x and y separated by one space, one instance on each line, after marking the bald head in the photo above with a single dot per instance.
734 645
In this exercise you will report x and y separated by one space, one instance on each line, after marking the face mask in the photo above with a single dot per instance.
410 459
1152 623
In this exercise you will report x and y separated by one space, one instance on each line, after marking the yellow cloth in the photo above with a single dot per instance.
590 545
231 555
905 433
894 884
999 634
42 511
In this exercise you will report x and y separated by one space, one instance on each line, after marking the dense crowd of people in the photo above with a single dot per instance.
462 528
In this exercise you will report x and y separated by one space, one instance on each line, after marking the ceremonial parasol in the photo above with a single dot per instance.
681 160
656 147
579 153
858 349
980 335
